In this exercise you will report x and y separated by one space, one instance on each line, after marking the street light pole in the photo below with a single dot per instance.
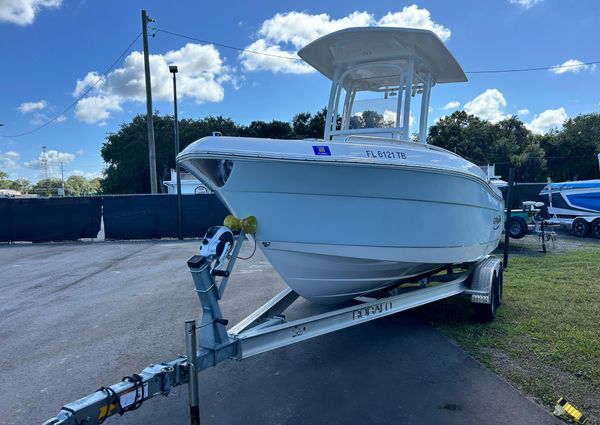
173 70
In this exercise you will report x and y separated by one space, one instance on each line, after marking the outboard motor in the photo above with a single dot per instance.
543 214
217 243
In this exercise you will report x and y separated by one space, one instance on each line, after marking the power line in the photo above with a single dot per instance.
84 94
254 52
541 68
226 46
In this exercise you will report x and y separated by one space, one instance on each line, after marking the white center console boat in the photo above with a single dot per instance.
371 204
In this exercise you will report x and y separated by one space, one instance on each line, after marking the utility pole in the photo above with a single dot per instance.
173 70
149 118
45 162
62 177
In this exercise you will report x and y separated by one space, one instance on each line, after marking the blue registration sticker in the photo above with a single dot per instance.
321 150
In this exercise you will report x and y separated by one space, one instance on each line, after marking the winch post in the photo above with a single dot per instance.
212 326
229 269
190 345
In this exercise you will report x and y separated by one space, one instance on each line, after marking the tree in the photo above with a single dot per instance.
507 143
80 186
308 126
572 152
464 134
21 185
4 181
274 130
369 119
126 152
47 187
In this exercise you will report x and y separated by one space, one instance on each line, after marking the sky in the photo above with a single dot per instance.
55 53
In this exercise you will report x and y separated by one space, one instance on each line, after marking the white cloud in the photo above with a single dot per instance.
96 109
88 175
547 120
413 17
91 79
572 65
39 118
254 62
201 76
452 105
27 107
22 12
525 3
389 116
52 160
489 105
285 33
8 160
523 111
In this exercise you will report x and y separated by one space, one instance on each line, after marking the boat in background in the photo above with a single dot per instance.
573 199
368 206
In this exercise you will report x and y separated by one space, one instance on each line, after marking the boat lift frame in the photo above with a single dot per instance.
267 329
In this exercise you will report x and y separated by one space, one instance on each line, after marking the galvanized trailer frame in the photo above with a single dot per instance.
267 329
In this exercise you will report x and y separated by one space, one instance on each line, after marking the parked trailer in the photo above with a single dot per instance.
267 329
582 226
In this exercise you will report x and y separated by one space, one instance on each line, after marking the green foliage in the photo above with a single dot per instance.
308 126
126 152
507 143
47 187
546 337
563 155
274 130
80 186
571 152
21 185
369 119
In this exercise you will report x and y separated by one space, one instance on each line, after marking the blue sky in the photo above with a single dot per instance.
52 50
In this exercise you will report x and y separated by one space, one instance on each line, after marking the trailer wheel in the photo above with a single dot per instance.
580 227
595 228
487 312
517 227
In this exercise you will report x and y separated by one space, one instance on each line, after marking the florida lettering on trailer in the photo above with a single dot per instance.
385 154
371 310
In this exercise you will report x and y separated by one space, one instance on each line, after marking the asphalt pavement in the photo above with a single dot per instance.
76 316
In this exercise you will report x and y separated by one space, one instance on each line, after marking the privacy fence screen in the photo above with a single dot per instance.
524 192
130 217
126 217
49 219
155 216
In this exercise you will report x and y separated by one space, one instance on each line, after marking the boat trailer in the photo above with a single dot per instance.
267 329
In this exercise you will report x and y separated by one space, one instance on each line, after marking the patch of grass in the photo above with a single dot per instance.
546 336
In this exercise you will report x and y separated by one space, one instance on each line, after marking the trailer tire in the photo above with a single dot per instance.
487 312
580 227
595 228
517 227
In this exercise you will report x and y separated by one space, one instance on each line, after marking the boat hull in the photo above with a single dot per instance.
387 223
573 199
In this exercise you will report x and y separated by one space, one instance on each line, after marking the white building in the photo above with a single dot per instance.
190 185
